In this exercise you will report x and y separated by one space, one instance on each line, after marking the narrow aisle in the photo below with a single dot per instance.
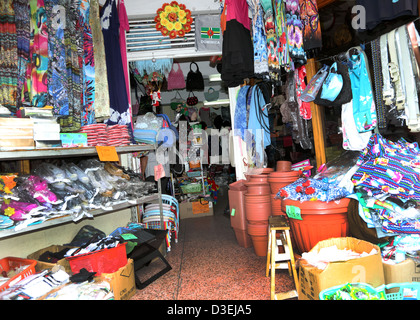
208 264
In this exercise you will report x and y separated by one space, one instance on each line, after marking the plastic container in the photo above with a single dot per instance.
320 221
257 208
102 261
282 166
400 291
238 216
8 263
257 188
326 292
191 188
276 206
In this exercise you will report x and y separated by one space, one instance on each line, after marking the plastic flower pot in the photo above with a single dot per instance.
283 166
320 221
257 208
276 206
257 188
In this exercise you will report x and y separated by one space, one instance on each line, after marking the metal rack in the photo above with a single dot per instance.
77 152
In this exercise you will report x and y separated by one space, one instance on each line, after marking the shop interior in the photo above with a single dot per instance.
227 158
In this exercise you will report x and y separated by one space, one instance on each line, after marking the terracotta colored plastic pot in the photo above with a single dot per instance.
260 244
243 238
276 206
257 209
282 166
257 188
320 221
257 229
262 178
278 180
284 175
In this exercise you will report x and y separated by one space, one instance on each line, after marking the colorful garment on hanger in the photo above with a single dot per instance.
259 39
364 110
88 110
281 29
120 111
273 46
39 53
124 27
295 32
73 42
101 82
237 10
23 32
304 107
309 16
8 47
352 138
389 168
57 77
240 117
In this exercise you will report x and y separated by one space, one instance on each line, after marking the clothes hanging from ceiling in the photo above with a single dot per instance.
120 112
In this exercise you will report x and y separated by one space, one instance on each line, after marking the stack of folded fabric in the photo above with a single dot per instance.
96 134
118 135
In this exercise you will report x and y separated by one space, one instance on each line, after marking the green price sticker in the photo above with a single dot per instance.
293 212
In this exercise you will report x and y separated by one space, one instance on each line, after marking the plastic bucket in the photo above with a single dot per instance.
320 221
257 208
257 188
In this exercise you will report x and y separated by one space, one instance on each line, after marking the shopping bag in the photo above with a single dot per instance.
208 33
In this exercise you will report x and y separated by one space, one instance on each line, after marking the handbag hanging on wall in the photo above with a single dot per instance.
192 100
176 78
195 81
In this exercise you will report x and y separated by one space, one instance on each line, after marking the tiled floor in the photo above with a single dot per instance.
208 264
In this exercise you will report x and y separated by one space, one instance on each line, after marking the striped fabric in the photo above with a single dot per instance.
390 168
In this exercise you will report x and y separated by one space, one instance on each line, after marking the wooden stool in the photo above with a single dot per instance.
279 226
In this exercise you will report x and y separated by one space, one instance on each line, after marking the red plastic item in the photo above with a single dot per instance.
101 261
320 221
8 263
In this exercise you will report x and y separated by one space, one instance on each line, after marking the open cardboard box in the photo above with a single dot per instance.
367 269
122 281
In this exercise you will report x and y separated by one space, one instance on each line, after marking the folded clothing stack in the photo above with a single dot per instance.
99 134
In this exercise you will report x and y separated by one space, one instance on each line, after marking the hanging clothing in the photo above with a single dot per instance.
259 40
309 15
257 137
8 59
39 53
57 78
101 82
304 107
73 42
238 54
295 32
385 10
120 112
88 110
23 32
240 118
273 45
352 138
281 29
124 27
364 111
237 10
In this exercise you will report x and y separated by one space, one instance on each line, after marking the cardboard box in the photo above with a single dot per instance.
122 281
195 209
367 269
41 265
406 271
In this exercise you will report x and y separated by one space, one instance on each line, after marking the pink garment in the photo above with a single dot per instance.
124 27
238 9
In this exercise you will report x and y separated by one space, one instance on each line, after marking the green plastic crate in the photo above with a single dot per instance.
191 188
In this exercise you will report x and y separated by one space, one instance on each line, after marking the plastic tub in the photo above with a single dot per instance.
400 291
101 261
320 221
8 263
326 292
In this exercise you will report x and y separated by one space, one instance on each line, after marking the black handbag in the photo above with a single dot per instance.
192 100
195 81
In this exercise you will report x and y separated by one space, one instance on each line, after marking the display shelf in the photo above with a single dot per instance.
67 218
66 152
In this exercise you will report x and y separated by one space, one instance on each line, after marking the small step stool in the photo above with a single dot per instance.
279 235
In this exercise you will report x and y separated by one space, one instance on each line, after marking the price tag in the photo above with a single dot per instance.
293 212
107 153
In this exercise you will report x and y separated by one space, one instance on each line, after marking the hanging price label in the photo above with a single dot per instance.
293 212
107 153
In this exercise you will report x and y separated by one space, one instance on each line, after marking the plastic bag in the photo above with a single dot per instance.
314 85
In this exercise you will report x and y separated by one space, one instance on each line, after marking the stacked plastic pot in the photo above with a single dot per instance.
283 176
258 210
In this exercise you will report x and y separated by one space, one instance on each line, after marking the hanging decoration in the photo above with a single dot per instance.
173 20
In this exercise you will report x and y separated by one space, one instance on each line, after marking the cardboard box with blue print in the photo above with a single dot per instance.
122 281
366 269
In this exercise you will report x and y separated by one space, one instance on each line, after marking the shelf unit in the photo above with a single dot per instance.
78 152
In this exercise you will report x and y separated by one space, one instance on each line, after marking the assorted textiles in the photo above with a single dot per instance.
55 53
281 32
